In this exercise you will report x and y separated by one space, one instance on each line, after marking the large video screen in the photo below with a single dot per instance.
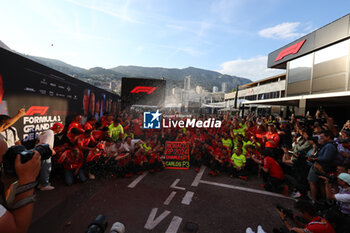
143 91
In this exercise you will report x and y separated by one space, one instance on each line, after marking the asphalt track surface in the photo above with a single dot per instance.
162 202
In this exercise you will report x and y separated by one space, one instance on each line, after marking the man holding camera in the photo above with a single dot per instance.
17 220
324 161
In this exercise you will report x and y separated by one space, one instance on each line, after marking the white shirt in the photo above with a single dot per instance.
2 211
47 137
343 197
130 147
110 150
9 137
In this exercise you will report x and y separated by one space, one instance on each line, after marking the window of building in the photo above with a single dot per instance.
300 69
332 52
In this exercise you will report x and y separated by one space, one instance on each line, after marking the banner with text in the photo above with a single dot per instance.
177 155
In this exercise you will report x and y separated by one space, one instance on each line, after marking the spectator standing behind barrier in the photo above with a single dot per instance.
18 220
47 137
324 160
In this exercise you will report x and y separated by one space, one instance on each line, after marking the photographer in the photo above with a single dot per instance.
307 211
343 195
18 220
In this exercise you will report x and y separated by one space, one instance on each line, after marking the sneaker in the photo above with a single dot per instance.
262 185
295 195
243 177
91 176
47 188
197 169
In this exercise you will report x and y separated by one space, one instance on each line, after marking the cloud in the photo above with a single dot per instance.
253 68
284 31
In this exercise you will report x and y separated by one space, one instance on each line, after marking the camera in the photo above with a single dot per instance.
331 178
344 140
11 154
99 225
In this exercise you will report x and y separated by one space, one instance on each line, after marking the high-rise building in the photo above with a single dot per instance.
187 82
199 89
215 89
223 87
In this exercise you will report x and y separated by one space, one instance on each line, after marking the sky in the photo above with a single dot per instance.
229 36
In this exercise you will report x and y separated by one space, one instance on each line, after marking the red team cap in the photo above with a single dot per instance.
57 125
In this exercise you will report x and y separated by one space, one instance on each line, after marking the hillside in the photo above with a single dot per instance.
175 77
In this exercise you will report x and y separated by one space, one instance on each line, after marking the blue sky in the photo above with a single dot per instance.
230 36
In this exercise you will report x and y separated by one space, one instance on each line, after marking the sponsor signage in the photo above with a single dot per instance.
47 95
177 155
294 49
143 91
147 90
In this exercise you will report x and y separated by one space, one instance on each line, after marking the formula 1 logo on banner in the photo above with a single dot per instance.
41 110
151 120
36 121
148 90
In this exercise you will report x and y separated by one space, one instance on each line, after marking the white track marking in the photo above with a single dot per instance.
245 189
174 225
173 185
170 198
137 180
152 222
198 177
187 198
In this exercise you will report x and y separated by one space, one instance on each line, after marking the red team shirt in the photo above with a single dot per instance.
275 169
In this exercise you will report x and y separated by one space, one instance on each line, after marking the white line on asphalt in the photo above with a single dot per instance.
174 225
244 189
137 180
187 198
170 198
173 185
198 177
151 222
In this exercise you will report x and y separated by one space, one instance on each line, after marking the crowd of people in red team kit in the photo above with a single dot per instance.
303 157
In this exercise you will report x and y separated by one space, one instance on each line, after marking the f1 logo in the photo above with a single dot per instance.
151 120
41 110
294 49
148 90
